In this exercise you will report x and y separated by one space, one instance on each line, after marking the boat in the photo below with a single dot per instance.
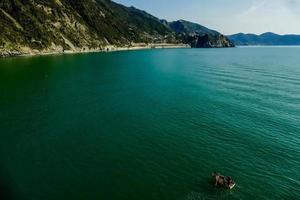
223 181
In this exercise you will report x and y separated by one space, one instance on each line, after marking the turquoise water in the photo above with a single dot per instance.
151 124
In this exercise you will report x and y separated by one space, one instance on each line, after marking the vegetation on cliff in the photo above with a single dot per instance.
59 25
199 36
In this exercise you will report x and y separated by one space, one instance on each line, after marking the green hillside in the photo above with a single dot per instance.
42 26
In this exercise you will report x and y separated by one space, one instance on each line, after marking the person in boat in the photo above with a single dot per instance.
228 181
218 178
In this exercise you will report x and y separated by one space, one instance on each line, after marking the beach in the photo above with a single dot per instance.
56 50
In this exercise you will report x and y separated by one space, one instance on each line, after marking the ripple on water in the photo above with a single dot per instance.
153 124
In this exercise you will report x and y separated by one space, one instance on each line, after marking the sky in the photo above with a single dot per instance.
228 16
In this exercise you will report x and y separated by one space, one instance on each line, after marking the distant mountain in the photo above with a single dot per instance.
199 36
45 26
264 39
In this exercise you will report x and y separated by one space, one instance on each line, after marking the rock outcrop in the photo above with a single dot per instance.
209 41
199 36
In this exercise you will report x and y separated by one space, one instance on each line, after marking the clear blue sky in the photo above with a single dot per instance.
228 16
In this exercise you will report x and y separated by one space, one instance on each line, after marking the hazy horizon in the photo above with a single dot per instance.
236 16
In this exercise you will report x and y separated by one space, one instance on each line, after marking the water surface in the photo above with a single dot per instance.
151 124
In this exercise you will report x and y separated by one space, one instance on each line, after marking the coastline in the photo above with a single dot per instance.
108 48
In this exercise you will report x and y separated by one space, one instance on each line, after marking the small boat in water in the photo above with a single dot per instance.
223 181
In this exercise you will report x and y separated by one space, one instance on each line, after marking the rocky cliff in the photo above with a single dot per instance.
199 36
46 26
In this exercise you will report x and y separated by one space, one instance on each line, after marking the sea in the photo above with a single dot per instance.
151 125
